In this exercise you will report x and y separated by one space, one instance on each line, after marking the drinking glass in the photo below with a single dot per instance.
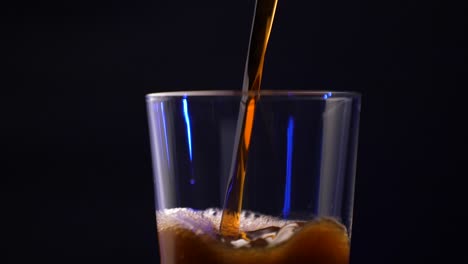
301 169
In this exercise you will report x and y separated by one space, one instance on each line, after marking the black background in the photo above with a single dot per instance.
77 179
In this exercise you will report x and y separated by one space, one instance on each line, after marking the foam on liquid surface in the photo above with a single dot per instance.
188 236
259 230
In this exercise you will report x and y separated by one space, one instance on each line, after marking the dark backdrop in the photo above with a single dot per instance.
77 179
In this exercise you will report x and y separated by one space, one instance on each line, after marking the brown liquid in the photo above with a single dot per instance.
190 237
322 241
261 28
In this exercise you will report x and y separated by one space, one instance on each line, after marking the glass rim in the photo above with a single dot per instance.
216 93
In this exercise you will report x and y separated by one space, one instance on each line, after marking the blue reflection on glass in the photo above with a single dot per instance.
325 96
187 122
289 149
329 94
165 133
192 181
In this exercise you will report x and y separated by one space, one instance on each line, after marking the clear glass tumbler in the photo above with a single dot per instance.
299 185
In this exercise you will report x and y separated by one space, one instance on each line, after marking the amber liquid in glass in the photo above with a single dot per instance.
229 235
